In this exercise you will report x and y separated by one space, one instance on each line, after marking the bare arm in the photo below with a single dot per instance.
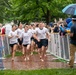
10 37
35 36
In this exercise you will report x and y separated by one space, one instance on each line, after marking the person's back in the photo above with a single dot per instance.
62 30
73 38
70 24
72 42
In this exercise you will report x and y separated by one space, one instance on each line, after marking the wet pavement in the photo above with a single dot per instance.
34 63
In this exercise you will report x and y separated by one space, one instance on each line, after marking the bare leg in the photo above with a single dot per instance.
32 47
23 51
42 53
28 51
13 51
45 51
39 52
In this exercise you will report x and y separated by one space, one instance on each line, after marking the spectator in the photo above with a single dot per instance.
62 30
68 20
3 30
56 28
73 42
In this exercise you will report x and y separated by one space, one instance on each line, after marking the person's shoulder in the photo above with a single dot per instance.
73 26
36 29
17 29
45 28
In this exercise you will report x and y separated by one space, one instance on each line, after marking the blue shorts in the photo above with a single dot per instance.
25 45
36 42
11 45
32 38
46 42
43 42
20 41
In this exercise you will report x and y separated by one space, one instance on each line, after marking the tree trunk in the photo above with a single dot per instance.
48 14
48 17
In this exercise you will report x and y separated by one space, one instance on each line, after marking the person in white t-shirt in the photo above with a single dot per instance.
32 31
19 33
13 40
26 42
40 35
47 37
34 46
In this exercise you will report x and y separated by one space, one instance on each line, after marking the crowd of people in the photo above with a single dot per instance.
27 38
33 36
61 26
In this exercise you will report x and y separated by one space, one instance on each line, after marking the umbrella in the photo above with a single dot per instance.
70 9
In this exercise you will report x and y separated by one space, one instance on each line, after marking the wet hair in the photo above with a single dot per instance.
37 25
26 26
13 25
32 24
19 23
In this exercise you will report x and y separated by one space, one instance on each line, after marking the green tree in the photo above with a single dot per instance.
35 10
4 4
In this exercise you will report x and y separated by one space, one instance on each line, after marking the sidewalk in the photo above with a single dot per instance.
33 63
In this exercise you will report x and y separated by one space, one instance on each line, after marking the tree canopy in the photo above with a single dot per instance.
32 10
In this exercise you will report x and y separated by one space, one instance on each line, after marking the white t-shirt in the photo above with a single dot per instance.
36 29
30 32
41 33
33 31
47 32
14 38
19 32
26 37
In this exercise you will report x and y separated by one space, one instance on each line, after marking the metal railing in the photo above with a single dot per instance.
59 46
4 45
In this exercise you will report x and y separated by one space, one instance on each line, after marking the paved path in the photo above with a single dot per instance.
33 63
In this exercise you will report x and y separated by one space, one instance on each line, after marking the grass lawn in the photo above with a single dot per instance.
39 72
17 54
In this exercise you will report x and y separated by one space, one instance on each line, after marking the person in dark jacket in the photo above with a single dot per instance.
72 42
